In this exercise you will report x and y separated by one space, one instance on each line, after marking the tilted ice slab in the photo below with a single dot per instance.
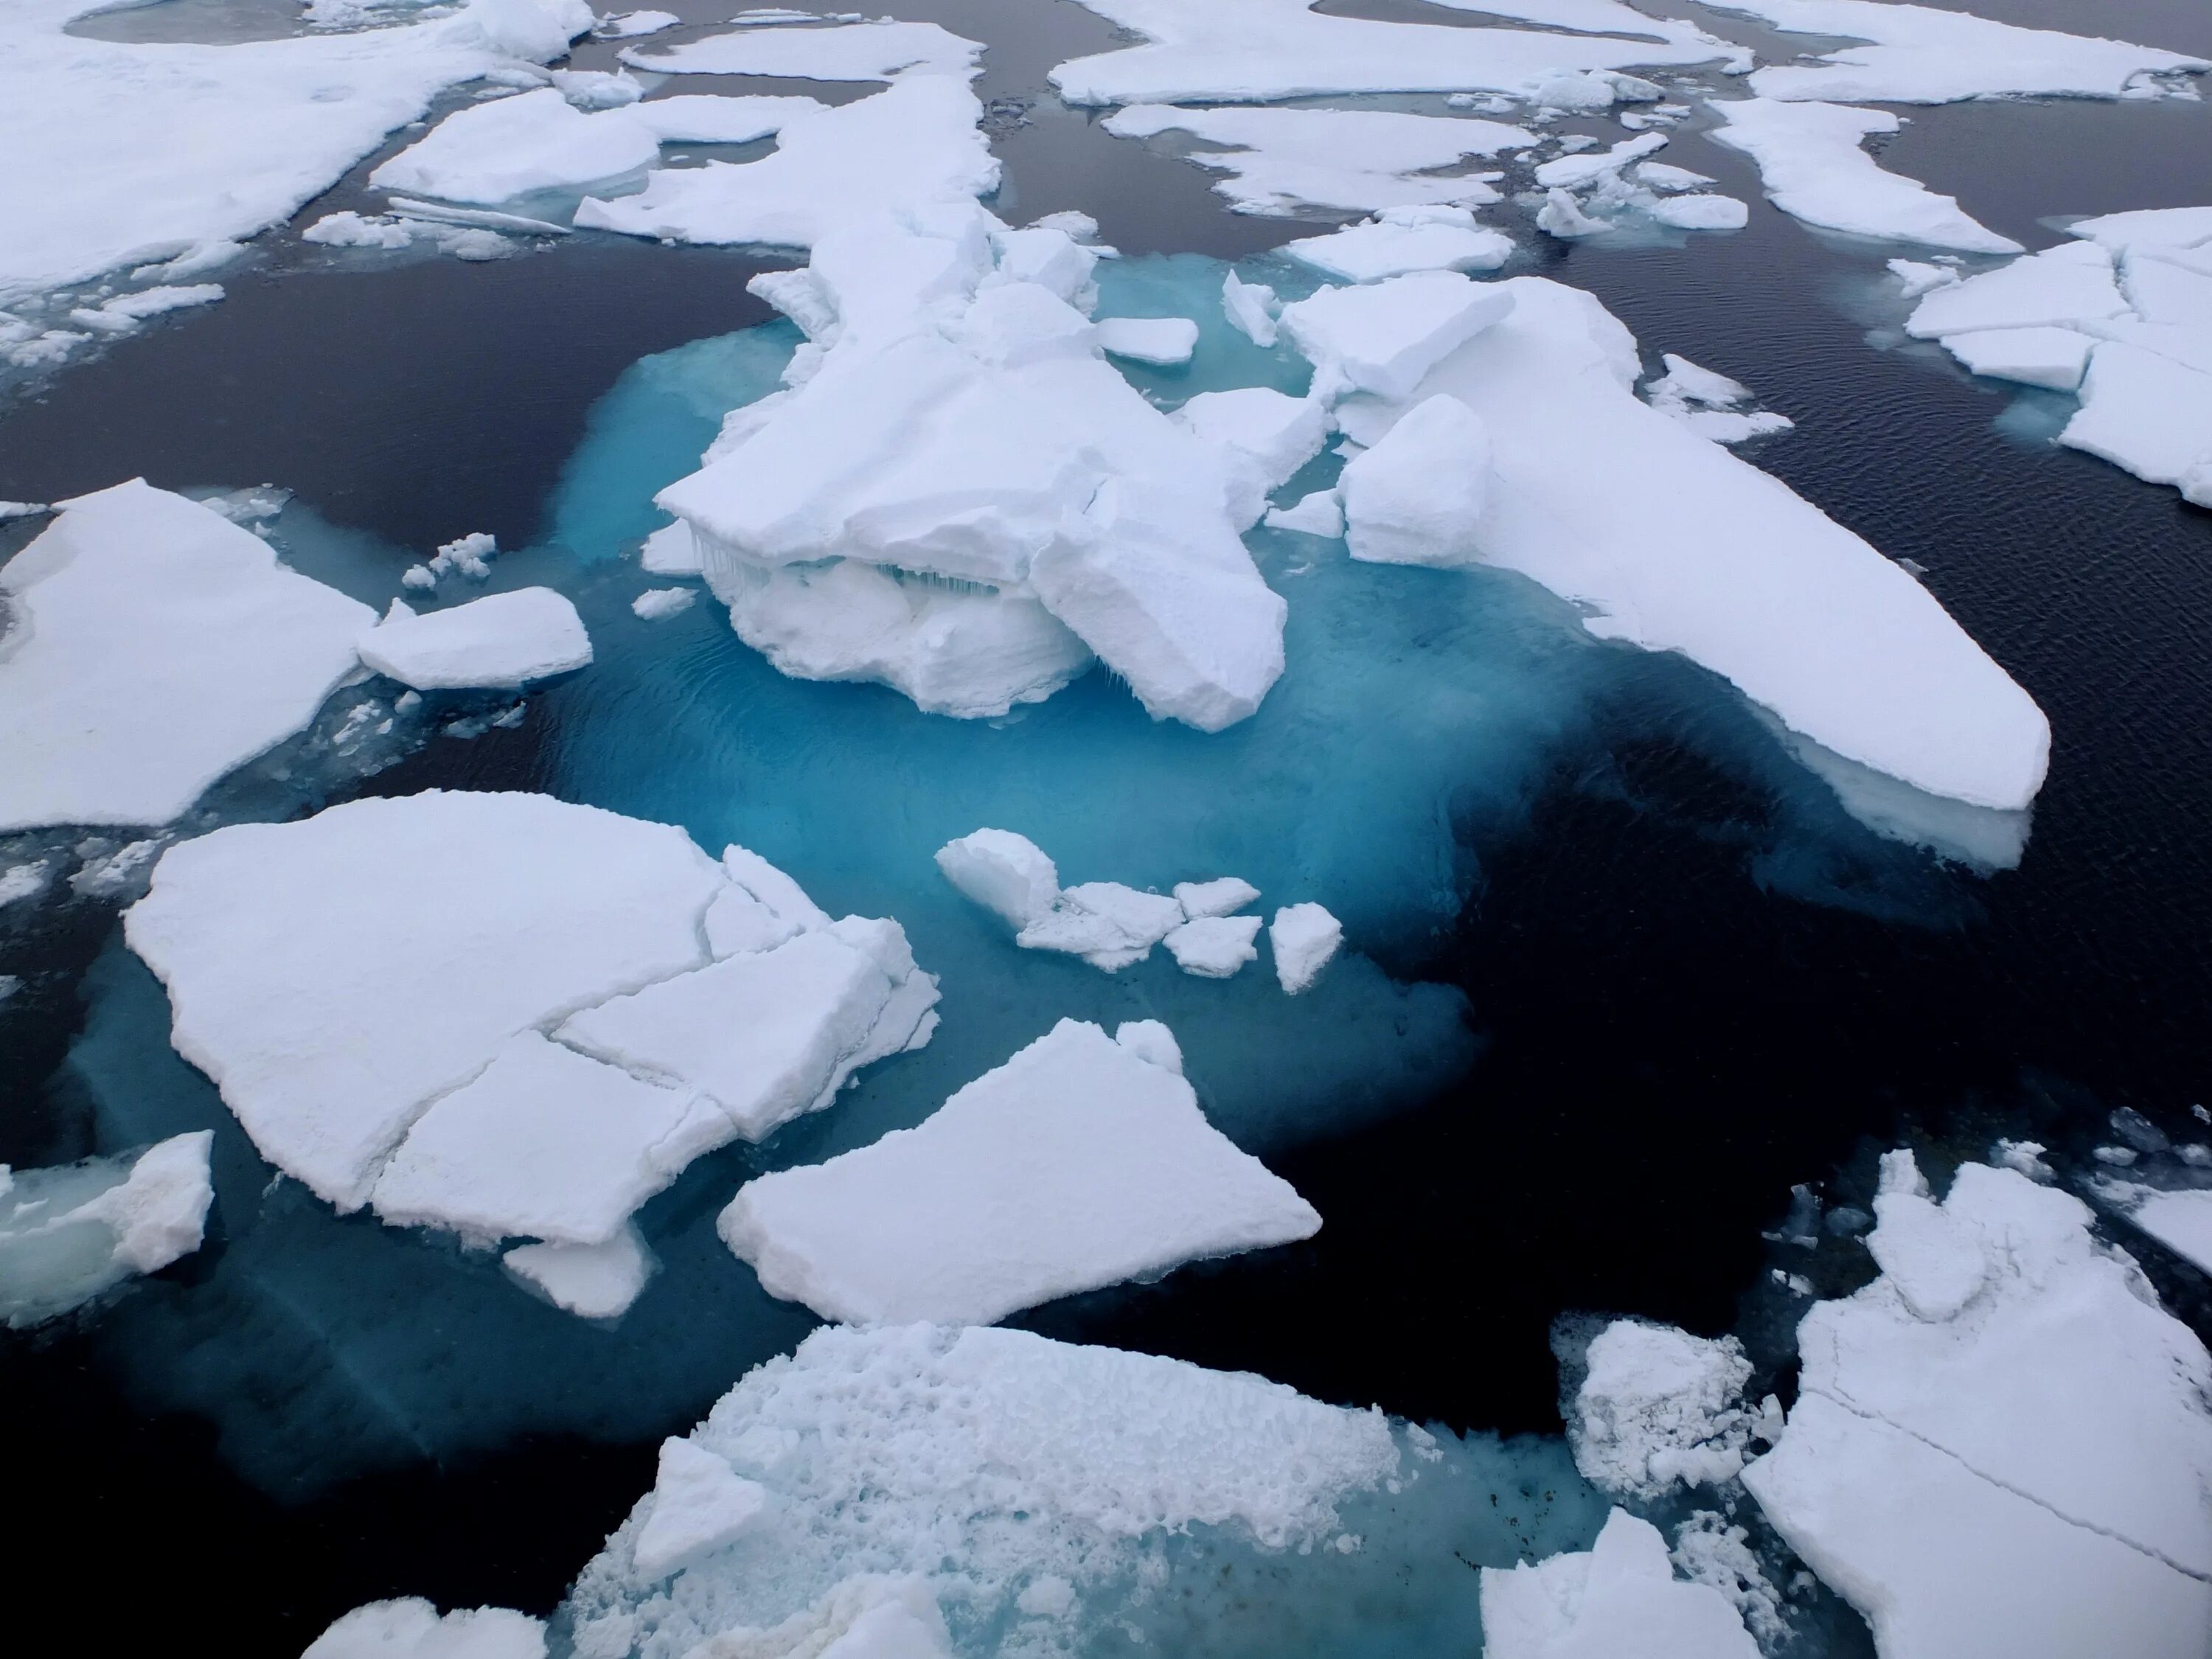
119 155
1400 240
1657 1408
502 641
1278 161
68 1234
1253 51
154 647
371 990
2001 1444
1929 55
993 1464
850 52
1745 577
1812 167
411 1629
1619 1597
1710 403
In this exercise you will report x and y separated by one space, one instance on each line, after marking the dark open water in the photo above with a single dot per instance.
1675 1030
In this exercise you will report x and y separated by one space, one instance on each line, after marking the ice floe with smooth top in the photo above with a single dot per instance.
1402 239
501 642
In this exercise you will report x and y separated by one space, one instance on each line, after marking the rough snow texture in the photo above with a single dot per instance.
1659 1408
501 642
70 1233
986 1461
1619 1598
594 1281
1304 938
155 646
1078 1164
411 1629
1812 167
1402 239
2001 1444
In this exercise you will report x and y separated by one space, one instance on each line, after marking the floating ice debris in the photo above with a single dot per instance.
22 881
658 604
109 870
670 551
1665 176
1318 514
122 154
1415 497
1254 50
1803 616
1217 897
593 1281
1215 947
1078 1164
1576 171
1165 341
125 312
466 554
1928 55
1281 160
1707 402
1659 1408
1004 872
1108 925
1561 215
699 1505
2001 1444
22 510
1402 239
1812 167
1698 212
629 25
411 1629
67 1234
1915 278
158 646
501 642
1382 337
1250 309
1304 938
878 51
1621 1597
352 229
2056 358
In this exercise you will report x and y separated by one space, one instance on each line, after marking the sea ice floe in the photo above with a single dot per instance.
501 642
1304 938
124 313
1402 239
1162 341
989 1467
1283 161
2054 358
1618 1598
877 50
629 25
495 152
374 1006
1383 338
1215 947
1800 615
1078 1164
1710 404
2001 1444
658 604
68 1233
1931 55
411 1629
1218 897
1659 1408
155 646
594 1281
1415 497
1812 167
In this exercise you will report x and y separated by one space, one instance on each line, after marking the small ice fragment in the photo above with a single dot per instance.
22 881
671 550
68 1233
1304 938
1665 176
411 1629
1915 278
1250 309
1561 215
2120 1158
1215 947
1150 1040
629 25
1321 513
658 604
1166 341
1004 872
502 641
1700 212
1106 923
699 1505
593 1281
1217 897
352 229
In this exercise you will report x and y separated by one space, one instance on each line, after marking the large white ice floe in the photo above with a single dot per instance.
500 1044
993 1465
1749 580
2122 317
1659 1408
1078 1164
877 50
1282 161
67 1234
151 645
2002 1445
1935 55
412 1629
1253 51
1812 167
122 154
1402 239
1618 1598
499 642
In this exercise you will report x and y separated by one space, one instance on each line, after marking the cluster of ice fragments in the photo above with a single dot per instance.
509 1017
155 645
2121 317
1592 192
1111 926
67 1234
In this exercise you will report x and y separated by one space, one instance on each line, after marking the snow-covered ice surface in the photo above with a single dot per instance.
1618 1598
412 1629
2002 1443
501 640
877 50
1658 1407
1402 239
1078 1164
70 1233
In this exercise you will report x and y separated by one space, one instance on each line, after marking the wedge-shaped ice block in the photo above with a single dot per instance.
502 641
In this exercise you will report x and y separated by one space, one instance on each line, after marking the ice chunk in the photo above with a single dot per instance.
1215 947
1281 160
1250 309
1707 402
2026 1474
2045 356
157 647
2182 1221
1076 1164
670 551
68 1233
502 641
411 1629
1417 496
1402 239
658 604
1004 872
2071 283
1107 924
492 153
1812 166
123 313
878 51
1166 341
1702 212
1659 1408
1561 215
546 1143
335 975
699 1505
1620 1598
1665 176
629 25
1576 171
351 229
1304 938
1217 897
1265 437
2145 412
1321 513
1384 337
1151 1041
593 1281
